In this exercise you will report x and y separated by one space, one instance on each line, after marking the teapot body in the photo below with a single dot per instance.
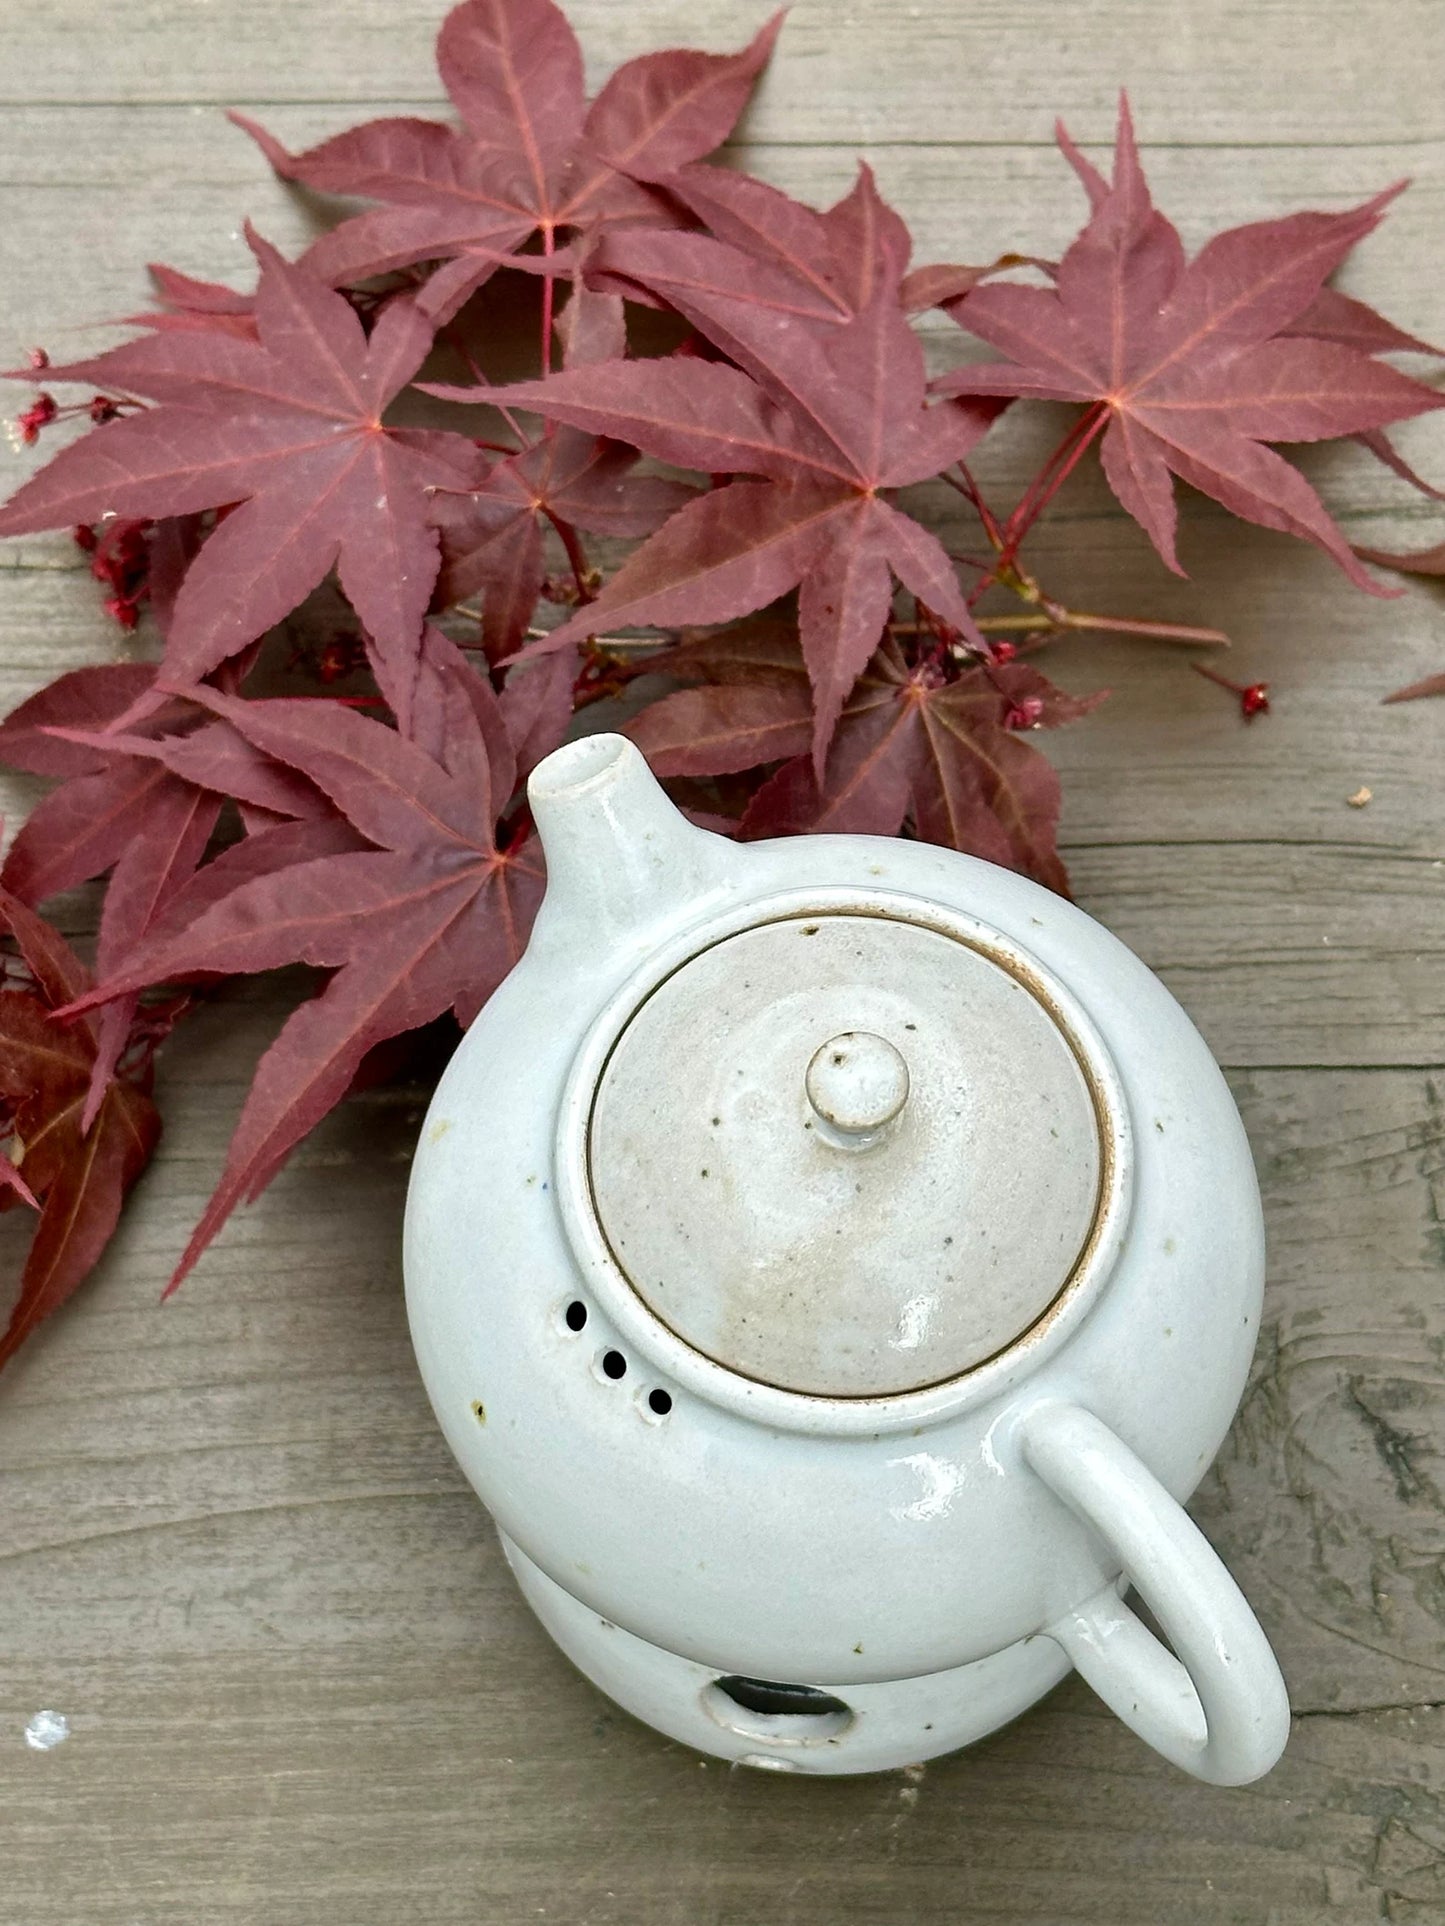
748 1529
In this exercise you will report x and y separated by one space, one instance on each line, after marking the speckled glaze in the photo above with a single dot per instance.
928 1521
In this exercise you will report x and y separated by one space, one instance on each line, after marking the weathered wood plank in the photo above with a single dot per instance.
238 1556
895 70
1330 1489
1284 954
208 1793
94 193
234 1549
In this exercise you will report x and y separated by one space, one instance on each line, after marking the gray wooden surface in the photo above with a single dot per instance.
233 1549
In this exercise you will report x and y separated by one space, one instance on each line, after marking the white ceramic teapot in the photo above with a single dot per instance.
832 1260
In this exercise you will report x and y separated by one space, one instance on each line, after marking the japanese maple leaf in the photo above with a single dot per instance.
1195 362
429 918
141 806
835 256
826 408
1421 561
290 427
189 304
119 787
492 539
835 251
1333 316
80 1176
1430 685
912 745
534 155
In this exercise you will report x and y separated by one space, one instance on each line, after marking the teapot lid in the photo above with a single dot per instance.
846 1154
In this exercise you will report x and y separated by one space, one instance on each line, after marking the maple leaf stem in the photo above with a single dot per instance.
1020 624
1057 619
548 246
1054 472
576 555
513 423
1161 631
618 644
1037 496
453 336
971 492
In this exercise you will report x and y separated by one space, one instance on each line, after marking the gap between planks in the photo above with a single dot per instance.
438 103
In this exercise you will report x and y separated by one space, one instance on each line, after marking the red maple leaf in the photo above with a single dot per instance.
1333 316
1430 685
833 252
1195 364
196 305
141 806
492 539
118 786
834 256
826 406
429 917
79 1175
1420 561
916 743
534 156
290 427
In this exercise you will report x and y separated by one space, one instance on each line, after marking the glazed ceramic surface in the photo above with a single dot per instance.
832 1260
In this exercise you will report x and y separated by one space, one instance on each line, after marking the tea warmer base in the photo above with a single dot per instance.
874 1728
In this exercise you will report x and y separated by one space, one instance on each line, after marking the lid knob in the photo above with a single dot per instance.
856 1083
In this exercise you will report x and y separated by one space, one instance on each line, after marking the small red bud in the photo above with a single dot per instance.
83 536
122 611
1005 651
341 656
39 359
1024 714
41 412
103 409
1253 697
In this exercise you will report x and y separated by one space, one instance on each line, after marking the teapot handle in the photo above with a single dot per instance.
1223 1713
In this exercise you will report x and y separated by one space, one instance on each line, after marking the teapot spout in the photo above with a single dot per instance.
618 852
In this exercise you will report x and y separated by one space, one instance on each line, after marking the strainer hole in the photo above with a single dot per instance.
786 1715
659 1402
575 1315
614 1365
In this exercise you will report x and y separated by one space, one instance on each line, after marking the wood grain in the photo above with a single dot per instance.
914 71
302 1687
233 1547
174 183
